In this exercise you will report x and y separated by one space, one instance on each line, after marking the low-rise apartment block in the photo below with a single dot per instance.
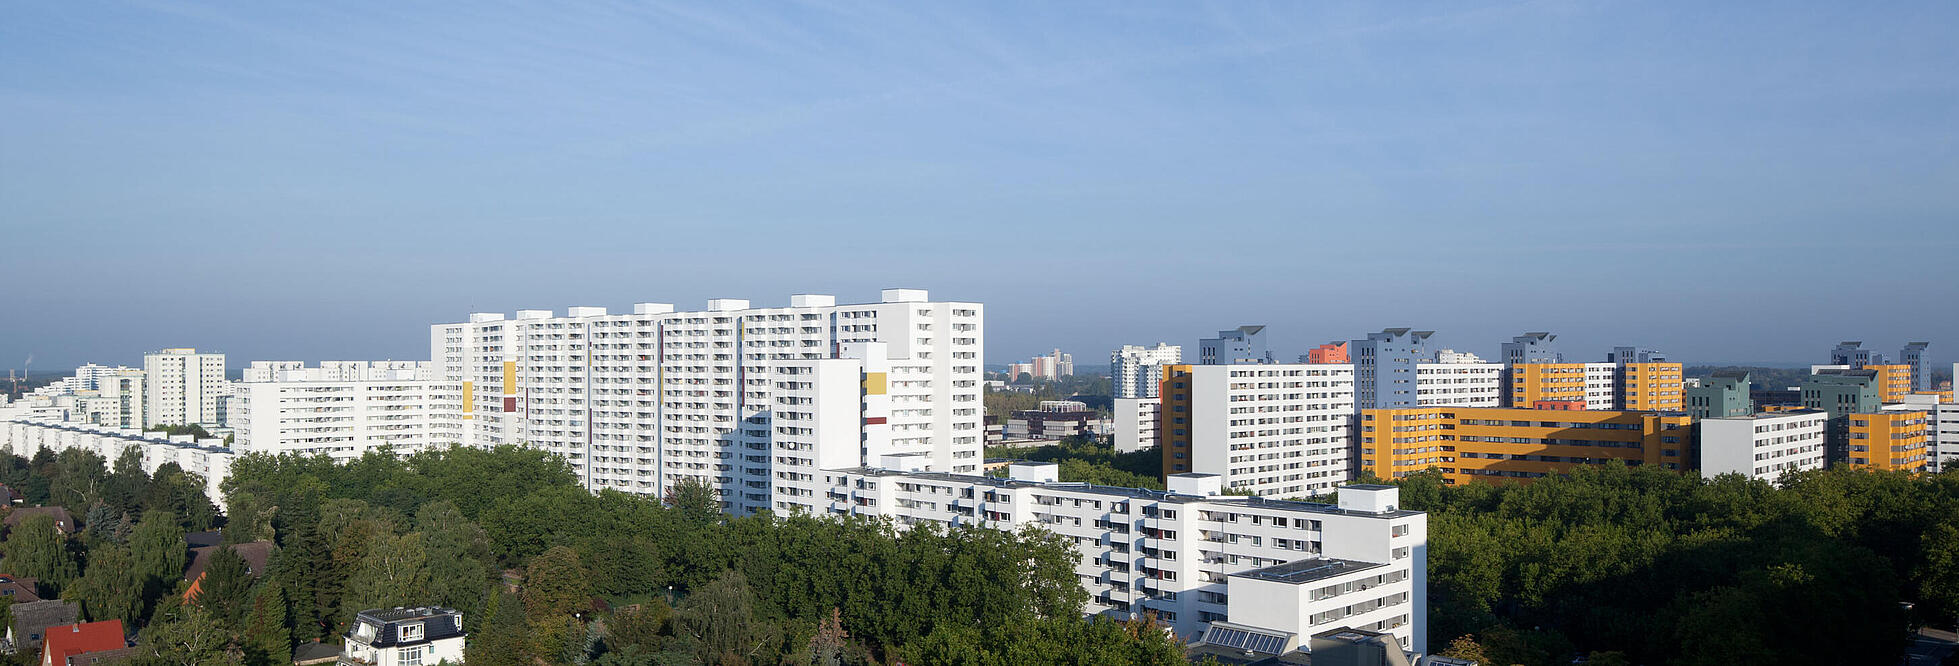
1763 446
1189 555
209 459
1055 419
1507 444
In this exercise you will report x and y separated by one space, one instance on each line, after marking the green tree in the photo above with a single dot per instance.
249 518
226 588
695 501
111 589
555 584
159 552
393 572
1466 648
719 619
77 479
504 639
37 549
266 640
190 636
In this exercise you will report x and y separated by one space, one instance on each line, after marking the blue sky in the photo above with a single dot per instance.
1736 181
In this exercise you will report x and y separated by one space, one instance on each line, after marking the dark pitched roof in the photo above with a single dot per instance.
104 657
62 520
437 623
308 653
256 554
33 619
204 538
22 590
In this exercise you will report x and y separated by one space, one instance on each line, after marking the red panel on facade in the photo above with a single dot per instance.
509 405
873 420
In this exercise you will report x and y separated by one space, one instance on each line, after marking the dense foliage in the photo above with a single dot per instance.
692 585
1087 459
1670 568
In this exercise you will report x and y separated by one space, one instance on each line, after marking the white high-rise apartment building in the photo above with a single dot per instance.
1198 560
1277 430
1762 446
182 387
1458 380
640 401
1137 371
344 409
1601 386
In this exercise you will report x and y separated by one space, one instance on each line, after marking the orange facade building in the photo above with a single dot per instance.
1888 440
1514 445
1652 386
1332 352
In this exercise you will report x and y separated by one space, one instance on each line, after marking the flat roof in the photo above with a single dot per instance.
399 614
1308 570
1135 493
1767 415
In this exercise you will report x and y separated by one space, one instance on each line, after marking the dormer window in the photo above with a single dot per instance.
411 632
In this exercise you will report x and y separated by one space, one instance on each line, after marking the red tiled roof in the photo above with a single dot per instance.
68 640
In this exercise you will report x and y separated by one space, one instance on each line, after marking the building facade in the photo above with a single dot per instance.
1941 428
420 636
343 409
1762 446
1274 430
1136 423
1245 344
1136 371
1385 367
1893 440
1186 554
182 387
208 459
640 401
1724 394
1506 444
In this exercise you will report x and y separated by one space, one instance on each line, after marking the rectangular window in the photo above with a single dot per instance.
409 656
411 632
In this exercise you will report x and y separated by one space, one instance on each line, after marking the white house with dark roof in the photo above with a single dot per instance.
419 636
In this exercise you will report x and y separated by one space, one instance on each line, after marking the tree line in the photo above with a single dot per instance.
1643 565
1088 459
547 572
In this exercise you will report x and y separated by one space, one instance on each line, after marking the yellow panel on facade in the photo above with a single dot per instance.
510 378
874 383
469 397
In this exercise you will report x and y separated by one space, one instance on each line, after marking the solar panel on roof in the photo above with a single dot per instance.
1245 640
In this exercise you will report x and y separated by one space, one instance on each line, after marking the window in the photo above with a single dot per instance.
411 632
409 656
